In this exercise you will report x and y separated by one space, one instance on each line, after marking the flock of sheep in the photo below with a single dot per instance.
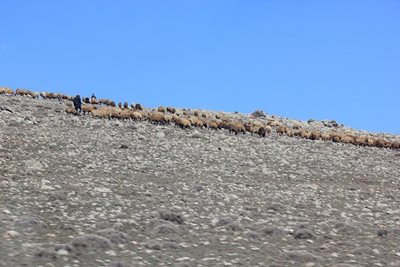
185 118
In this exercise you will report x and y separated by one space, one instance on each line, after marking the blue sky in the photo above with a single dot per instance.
298 59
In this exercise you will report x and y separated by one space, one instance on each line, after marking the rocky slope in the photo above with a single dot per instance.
78 191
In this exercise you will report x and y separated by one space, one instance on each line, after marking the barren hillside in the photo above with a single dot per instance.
81 191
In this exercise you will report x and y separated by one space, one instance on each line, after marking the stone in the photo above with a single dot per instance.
301 256
160 134
259 114
113 235
90 242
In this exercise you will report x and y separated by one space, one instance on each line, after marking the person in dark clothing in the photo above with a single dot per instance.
78 103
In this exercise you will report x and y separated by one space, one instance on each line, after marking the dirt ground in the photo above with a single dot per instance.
79 191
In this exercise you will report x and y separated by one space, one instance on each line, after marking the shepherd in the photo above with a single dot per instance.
78 103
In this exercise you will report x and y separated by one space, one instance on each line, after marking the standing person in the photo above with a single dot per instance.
78 103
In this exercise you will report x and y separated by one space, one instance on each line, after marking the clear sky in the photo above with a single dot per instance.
337 59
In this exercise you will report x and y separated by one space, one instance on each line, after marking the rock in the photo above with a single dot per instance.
331 123
167 228
382 232
222 221
45 253
171 216
154 245
30 222
197 135
160 134
62 252
347 228
113 235
103 189
45 186
119 264
344 265
252 235
234 226
362 251
301 256
90 242
34 165
303 233
6 109
271 231
258 114
11 234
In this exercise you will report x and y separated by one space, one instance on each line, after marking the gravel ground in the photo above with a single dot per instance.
78 191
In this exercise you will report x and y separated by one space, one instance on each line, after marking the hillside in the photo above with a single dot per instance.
81 191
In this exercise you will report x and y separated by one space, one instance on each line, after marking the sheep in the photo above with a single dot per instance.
213 125
236 127
103 112
205 115
304 134
58 96
196 113
126 106
348 139
115 113
388 144
112 104
224 124
157 118
104 101
161 109
94 101
124 114
45 95
22 92
181 122
171 110
396 145
361 140
71 110
139 107
218 116
205 121
273 123
136 116
66 97
296 126
262 131
251 128
282 130
168 118
380 142
315 135
198 123
325 136
35 95
86 100
370 141
336 137
289 132
87 109
257 123
6 90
